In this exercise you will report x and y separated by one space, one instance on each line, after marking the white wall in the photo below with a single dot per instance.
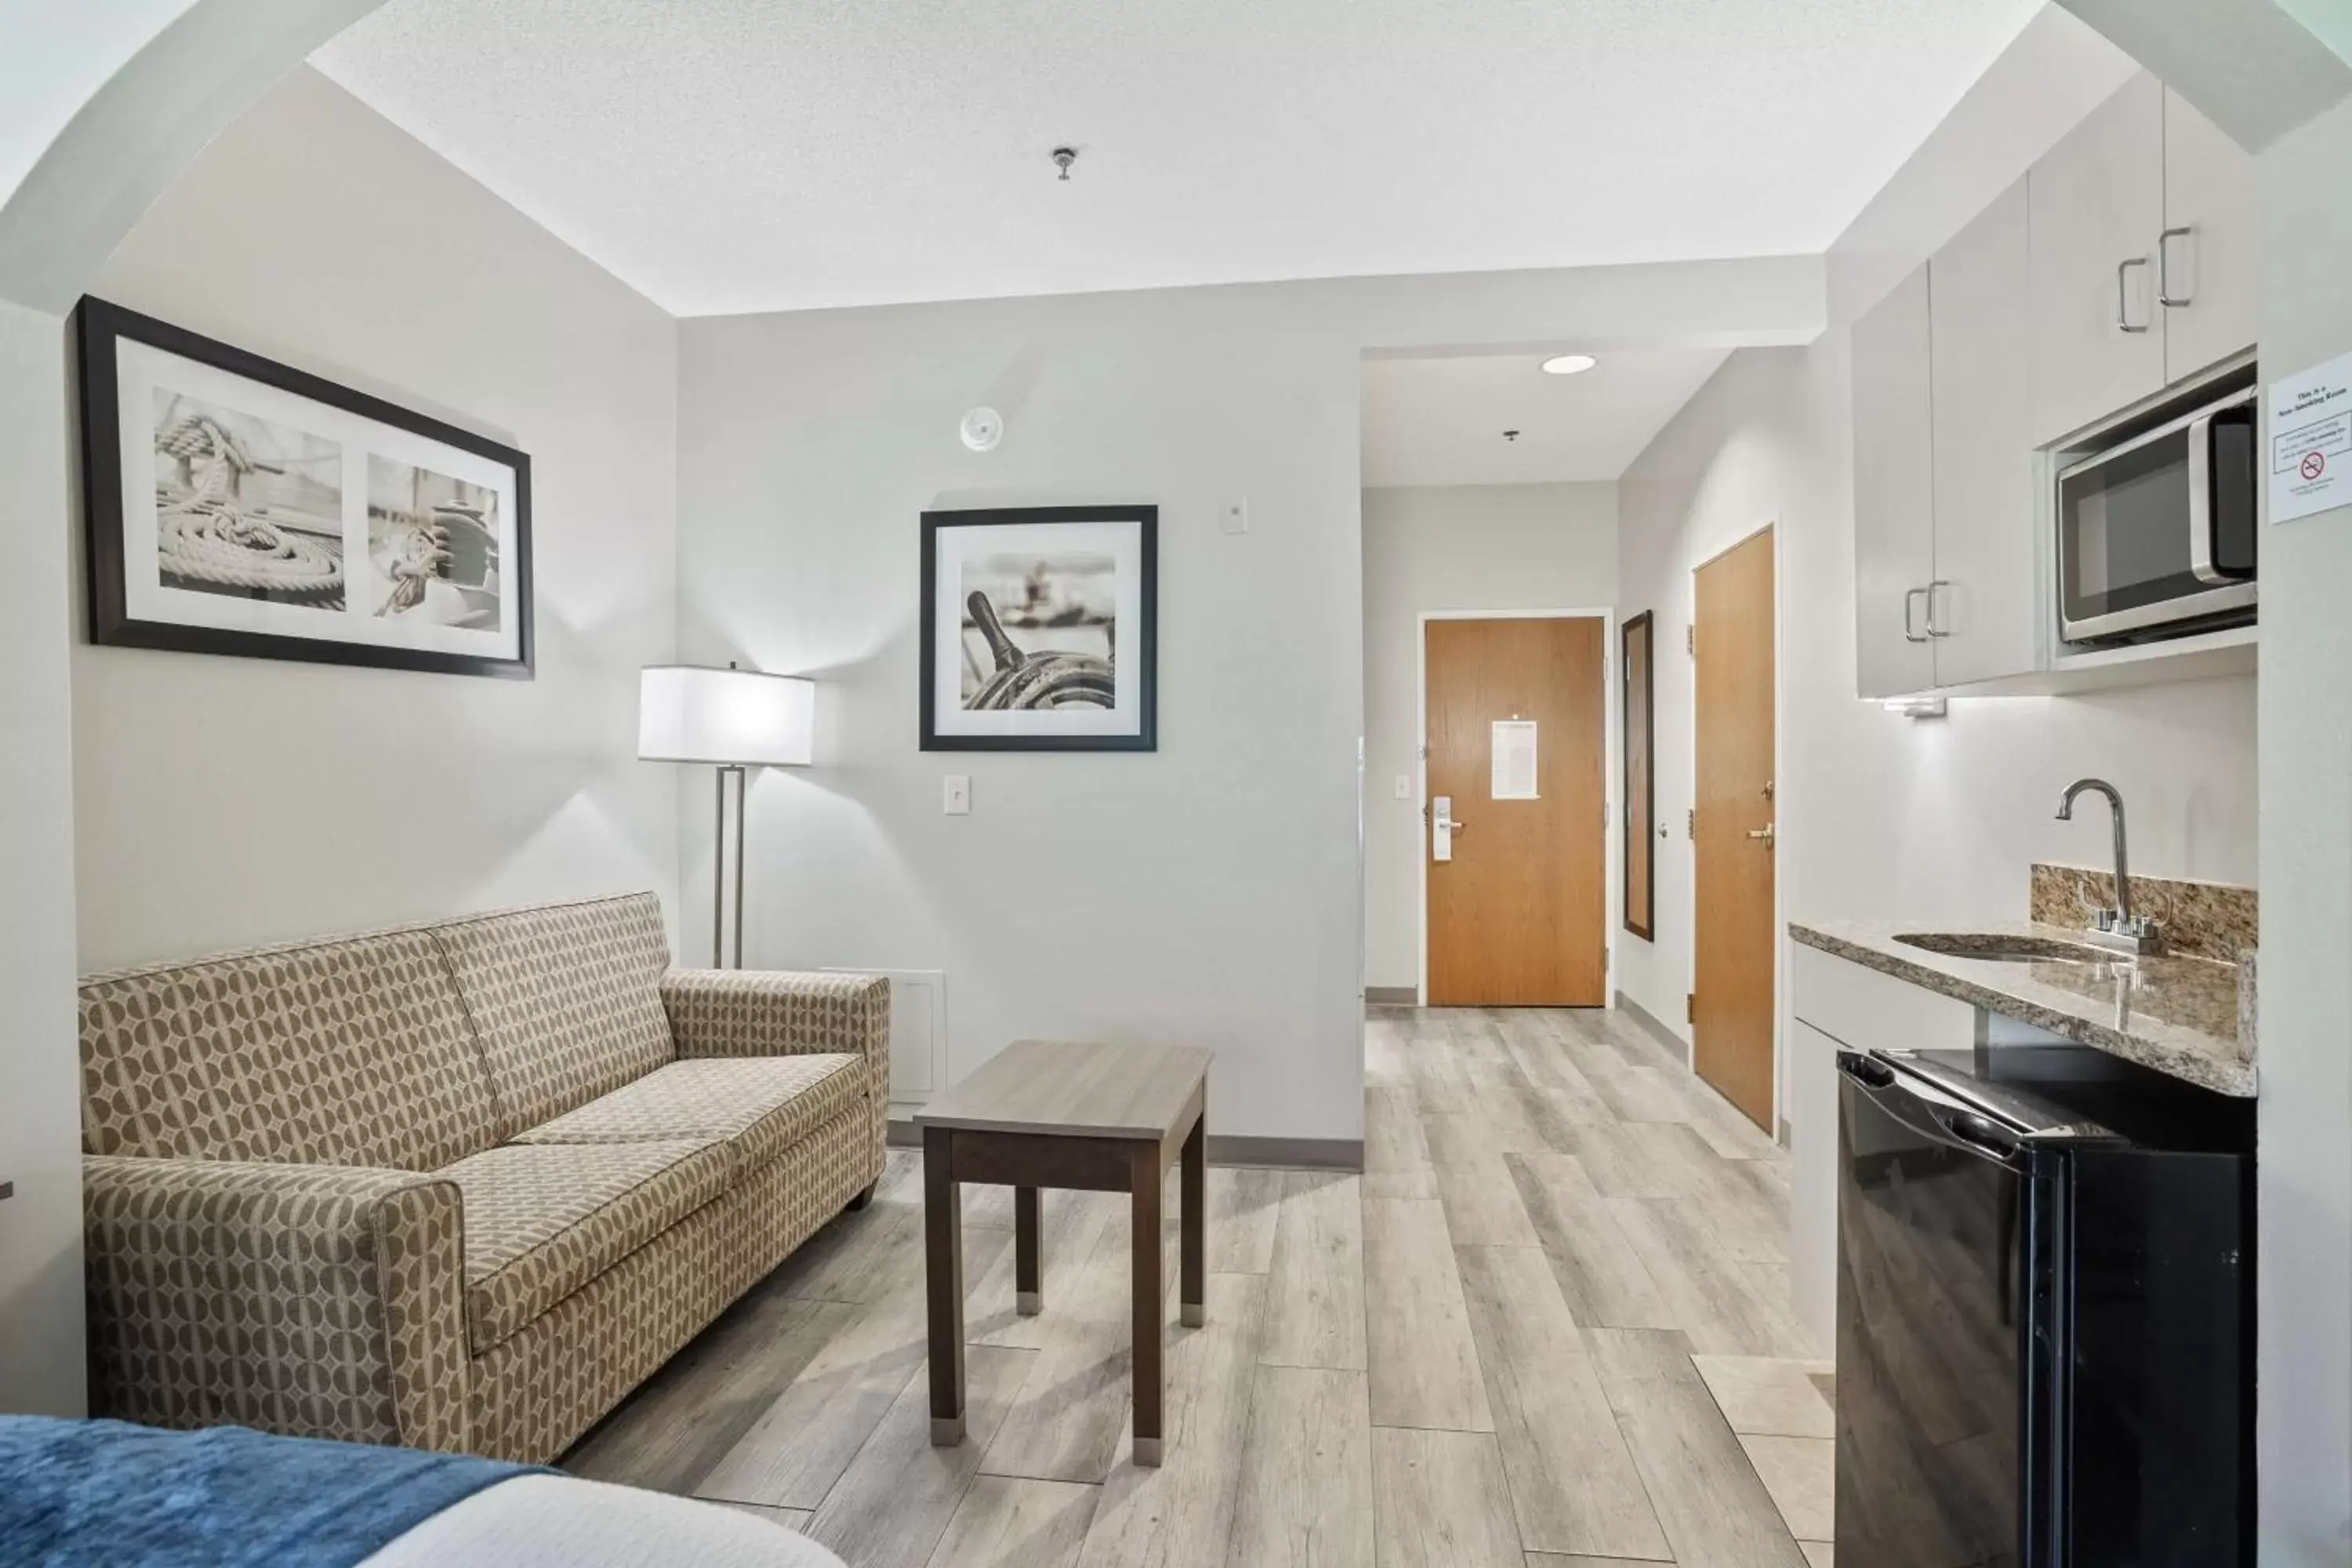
1208 893
223 801
2306 1156
40 1073
1453 547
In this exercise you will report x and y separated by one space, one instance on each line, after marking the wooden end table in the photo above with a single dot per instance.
1102 1119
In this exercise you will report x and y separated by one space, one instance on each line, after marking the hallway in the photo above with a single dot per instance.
1545 1329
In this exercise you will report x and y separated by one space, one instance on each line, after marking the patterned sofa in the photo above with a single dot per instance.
459 1186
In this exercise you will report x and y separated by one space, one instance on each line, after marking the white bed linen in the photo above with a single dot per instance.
556 1521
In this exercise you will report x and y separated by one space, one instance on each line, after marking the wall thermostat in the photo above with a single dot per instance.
982 428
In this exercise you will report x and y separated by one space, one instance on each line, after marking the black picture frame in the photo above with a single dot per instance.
1638 745
100 327
931 702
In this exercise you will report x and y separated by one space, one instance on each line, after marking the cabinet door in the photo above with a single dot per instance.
2098 205
1893 494
1983 609
2209 190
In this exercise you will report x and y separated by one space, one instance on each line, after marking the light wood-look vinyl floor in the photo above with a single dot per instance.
1545 1327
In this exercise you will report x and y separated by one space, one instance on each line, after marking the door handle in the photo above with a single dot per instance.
2122 294
1908 595
2164 268
1764 832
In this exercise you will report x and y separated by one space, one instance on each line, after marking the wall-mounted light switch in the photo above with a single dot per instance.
1404 786
1232 516
959 796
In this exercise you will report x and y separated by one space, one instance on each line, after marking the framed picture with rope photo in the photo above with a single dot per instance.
239 505
1039 629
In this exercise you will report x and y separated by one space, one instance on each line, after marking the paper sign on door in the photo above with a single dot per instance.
1514 758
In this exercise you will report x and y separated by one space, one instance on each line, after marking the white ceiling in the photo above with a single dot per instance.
1441 421
730 155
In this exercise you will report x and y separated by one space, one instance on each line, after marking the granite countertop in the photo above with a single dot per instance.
2180 1016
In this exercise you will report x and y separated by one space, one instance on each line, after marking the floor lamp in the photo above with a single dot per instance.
736 719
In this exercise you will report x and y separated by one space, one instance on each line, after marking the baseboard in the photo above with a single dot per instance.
1649 1021
1300 1153
1392 996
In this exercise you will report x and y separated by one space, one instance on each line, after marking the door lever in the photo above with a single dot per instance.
1764 832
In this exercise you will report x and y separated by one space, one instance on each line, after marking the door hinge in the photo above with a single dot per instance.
1690 1008
1690 823
1690 637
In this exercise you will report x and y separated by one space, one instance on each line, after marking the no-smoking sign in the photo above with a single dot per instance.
2310 441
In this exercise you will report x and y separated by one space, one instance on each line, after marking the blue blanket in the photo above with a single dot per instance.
77 1492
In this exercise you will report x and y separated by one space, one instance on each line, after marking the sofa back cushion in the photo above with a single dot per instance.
356 1051
566 999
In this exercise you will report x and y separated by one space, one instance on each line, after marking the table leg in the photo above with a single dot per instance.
1028 1257
943 1277
1145 1173
1193 1271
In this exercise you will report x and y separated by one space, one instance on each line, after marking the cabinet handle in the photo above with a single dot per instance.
2122 294
1933 629
2164 268
1910 595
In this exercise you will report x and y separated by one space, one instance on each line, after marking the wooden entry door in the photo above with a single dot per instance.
1732 1007
1519 916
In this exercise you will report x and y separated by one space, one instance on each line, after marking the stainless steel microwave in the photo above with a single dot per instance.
2156 536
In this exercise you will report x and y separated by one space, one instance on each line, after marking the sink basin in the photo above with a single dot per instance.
2006 949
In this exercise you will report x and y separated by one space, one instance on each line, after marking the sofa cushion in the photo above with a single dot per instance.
543 1220
566 998
762 1105
356 1051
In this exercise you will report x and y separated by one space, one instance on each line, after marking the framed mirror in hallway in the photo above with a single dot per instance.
1733 651
1515 843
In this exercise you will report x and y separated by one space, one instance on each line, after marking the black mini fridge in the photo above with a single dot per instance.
2045 1313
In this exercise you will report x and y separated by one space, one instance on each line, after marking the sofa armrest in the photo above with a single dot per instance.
319 1301
771 1013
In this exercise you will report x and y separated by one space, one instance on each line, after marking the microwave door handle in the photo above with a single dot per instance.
2202 563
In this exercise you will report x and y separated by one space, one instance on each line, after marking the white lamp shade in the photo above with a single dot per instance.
689 714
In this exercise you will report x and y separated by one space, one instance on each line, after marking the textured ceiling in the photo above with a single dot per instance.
727 155
1441 421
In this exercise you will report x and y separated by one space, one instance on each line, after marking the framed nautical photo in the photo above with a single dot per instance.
238 506
1039 629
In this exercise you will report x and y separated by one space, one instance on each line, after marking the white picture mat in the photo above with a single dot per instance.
141 369
1122 540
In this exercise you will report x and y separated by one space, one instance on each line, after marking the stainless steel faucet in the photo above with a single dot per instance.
2116 928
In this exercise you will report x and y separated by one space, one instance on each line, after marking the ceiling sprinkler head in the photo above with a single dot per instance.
1062 158
1510 435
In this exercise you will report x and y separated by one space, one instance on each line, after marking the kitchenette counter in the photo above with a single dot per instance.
2179 1015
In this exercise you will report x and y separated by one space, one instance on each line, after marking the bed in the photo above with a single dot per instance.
90 1493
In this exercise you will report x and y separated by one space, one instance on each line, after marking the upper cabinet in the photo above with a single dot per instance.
2143 256
2121 264
1982 600
2098 206
1893 494
2205 270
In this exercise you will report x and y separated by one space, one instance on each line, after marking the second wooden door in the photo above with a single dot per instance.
1518 913
1732 935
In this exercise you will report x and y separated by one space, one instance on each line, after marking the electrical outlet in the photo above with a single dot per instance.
959 796
1404 786
1232 516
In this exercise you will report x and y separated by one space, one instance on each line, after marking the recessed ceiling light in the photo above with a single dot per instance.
1568 365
